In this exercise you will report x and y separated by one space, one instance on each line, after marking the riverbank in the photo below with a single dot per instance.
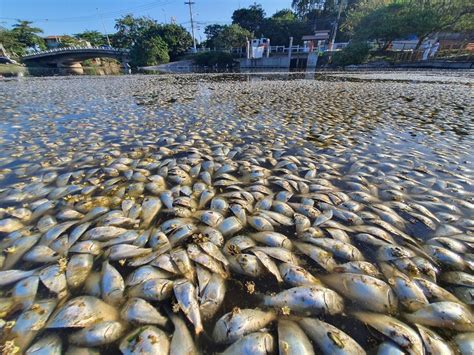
11 69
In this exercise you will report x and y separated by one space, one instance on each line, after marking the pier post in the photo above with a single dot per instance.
290 48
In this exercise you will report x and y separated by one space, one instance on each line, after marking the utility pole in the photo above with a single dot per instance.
191 3
336 25
103 25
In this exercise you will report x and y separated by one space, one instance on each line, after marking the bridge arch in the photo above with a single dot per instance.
71 57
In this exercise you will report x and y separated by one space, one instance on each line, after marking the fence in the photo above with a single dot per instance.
76 48
273 49
456 52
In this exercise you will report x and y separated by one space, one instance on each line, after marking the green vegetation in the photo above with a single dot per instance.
386 20
151 43
214 59
251 18
304 20
149 51
354 53
11 69
226 37
23 35
95 38
359 21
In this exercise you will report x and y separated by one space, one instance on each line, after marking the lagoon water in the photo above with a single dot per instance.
385 150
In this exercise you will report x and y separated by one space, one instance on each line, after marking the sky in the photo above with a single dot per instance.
57 17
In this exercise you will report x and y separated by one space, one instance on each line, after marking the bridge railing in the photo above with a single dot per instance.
77 49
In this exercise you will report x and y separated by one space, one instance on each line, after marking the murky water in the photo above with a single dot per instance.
390 151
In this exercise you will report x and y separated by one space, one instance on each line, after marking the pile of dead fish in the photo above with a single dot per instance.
195 243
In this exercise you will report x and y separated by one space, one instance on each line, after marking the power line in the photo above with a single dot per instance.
105 30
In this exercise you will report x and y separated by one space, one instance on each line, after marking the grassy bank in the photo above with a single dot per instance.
11 69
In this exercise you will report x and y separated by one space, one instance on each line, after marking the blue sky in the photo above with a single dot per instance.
57 17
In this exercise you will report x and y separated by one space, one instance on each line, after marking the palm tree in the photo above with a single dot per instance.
26 34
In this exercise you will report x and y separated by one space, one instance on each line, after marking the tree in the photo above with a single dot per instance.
149 51
95 38
284 15
251 18
387 20
385 23
303 7
10 43
211 32
135 32
69 41
130 29
176 37
28 35
284 24
232 36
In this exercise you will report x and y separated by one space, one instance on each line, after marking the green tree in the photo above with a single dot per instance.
251 18
232 36
135 32
11 44
149 51
385 23
177 38
303 7
212 32
390 19
354 53
28 35
69 41
131 29
284 24
95 38
284 15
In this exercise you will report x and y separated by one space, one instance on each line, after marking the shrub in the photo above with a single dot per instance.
210 59
354 53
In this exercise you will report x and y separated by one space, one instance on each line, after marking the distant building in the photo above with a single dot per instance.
53 41
318 40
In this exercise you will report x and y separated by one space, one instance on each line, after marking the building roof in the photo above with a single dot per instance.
318 35
315 37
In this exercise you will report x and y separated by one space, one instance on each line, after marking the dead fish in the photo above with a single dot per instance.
82 311
330 339
292 340
98 334
182 341
359 288
232 326
450 315
395 330
145 340
307 300
258 343
186 295
137 310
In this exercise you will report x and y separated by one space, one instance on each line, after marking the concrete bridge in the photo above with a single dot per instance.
71 57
